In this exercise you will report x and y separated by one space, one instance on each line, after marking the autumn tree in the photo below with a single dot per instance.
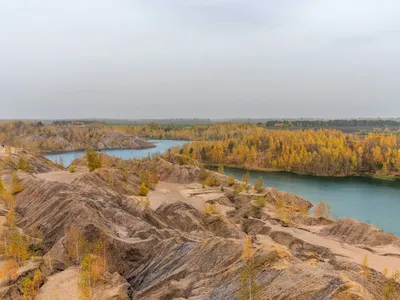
30 285
16 185
259 185
75 244
93 159
16 245
365 269
9 270
249 287
221 170
390 289
322 210
2 185
246 177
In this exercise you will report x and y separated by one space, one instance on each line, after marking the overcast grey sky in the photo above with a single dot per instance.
199 58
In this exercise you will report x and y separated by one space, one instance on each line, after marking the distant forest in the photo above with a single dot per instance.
346 125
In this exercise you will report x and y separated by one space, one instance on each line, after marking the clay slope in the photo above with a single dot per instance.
355 232
178 251
9 161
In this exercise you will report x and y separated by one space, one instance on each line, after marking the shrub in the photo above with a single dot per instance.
238 189
260 202
71 169
210 181
203 185
231 180
143 190
24 164
211 209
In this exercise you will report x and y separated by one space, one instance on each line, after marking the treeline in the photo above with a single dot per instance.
337 124
322 152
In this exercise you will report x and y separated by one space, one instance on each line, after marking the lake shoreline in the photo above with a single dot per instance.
271 170
97 150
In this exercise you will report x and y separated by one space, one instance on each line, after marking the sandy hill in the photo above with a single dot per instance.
188 242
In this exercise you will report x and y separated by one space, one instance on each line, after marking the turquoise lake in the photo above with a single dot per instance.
368 200
161 146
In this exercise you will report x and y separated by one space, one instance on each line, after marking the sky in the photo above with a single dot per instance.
199 59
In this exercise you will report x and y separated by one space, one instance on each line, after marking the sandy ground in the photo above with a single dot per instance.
62 176
61 286
376 259
192 194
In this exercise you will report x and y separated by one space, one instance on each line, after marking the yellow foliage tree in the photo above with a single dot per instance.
231 180
93 160
249 287
259 185
322 210
9 270
75 244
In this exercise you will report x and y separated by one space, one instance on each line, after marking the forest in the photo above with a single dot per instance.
322 152
346 125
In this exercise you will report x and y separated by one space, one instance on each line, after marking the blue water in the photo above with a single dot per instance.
368 200
161 146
